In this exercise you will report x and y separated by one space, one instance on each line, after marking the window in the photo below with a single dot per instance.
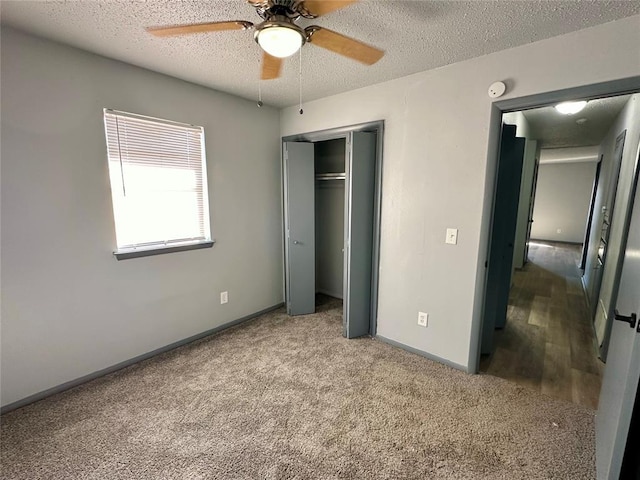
158 184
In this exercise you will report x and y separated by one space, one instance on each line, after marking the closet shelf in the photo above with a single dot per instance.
330 176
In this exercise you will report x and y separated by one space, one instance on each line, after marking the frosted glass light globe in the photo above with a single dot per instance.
570 108
279 41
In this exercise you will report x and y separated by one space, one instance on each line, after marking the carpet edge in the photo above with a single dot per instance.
132 361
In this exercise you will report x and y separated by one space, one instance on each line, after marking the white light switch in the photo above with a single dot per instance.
452 236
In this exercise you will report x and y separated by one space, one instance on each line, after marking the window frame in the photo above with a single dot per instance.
167 246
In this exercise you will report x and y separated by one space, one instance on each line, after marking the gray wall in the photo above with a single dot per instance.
437 173
69 307
330 237
563 195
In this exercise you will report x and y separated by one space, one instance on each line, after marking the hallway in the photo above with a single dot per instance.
548 342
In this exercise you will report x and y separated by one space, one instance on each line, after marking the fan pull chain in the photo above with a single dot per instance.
300 78
260 89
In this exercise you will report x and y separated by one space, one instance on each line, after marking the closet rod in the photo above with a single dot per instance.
330 176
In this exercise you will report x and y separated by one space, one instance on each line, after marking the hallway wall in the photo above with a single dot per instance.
563 195
629 120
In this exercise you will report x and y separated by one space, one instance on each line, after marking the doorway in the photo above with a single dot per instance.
544 337
618 229
332 191
557 194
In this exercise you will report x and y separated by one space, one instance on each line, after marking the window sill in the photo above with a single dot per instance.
124 255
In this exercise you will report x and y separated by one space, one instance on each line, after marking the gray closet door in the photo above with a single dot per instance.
300 248
359 218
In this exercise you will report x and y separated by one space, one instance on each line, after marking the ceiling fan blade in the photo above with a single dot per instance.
271 67
322 7
342 45
171 30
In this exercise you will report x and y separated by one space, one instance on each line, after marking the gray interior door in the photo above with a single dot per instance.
503 230
359 219
300 248
622 371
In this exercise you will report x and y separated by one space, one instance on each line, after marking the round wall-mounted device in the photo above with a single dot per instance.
497 89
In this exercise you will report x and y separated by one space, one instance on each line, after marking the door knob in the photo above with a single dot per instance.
631 319
296 242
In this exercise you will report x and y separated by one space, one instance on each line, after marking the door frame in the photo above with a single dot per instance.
532 203
498 108
592 205
376 127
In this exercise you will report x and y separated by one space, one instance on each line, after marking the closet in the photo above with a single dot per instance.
330 198
329 166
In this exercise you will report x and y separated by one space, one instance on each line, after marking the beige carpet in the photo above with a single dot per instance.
289 398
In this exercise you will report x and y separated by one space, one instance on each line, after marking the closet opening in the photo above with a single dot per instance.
330 175
332 194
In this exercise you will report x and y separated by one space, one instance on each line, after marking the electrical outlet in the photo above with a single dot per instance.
224 297
423 319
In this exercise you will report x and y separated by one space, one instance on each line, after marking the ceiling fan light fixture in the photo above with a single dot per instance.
570 108
279 39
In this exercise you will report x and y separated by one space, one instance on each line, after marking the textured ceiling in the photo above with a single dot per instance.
554 130
416 35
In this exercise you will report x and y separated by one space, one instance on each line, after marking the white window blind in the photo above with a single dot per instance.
158 182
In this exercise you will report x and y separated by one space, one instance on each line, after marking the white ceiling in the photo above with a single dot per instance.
416 35
555 130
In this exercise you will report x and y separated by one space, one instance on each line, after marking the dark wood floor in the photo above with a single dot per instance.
548 342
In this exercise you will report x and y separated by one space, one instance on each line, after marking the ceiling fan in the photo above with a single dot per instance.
279 36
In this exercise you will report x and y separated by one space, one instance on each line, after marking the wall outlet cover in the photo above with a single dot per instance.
452 236
224 297
423 319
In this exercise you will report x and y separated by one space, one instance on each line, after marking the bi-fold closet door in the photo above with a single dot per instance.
300 235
